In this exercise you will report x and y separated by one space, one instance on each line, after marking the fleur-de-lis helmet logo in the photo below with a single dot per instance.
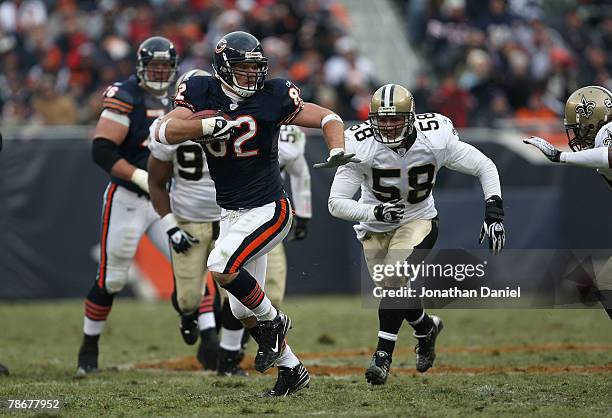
585 107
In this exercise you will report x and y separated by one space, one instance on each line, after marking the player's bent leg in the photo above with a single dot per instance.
374 250
189 267
276 275
121 232
246 241
421 236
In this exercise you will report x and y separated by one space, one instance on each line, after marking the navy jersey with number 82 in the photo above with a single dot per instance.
245 168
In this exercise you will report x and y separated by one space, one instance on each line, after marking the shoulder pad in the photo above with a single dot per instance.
359 132
437 129
119 98
188 90
604 136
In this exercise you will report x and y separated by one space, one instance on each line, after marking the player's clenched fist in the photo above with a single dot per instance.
390 212
180 240
217 129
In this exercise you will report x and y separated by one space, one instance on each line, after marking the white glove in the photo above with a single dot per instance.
180 240
552 153
141 179
390 212
217 129
336 158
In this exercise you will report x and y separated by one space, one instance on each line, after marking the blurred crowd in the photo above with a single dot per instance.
57 56
484 60
495 59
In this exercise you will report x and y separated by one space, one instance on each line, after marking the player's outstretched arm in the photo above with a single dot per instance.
176 127
315 116
110 132
600 157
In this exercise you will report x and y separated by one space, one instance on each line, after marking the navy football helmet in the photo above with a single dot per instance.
154 55
235 48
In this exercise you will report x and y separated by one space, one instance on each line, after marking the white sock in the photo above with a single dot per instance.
287 358
93 327
387 336
206 320
231 339
265 311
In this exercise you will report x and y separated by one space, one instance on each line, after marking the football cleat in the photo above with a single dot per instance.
379 369
426 346
189 328
209 349
272 341
229 363
88 359
289 381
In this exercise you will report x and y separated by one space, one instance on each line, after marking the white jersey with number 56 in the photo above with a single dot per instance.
192 193
410 175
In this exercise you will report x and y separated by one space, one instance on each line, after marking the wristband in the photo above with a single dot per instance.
169 221
329 118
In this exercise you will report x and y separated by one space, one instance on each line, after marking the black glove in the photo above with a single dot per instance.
493 225
390 212
300 228
181 240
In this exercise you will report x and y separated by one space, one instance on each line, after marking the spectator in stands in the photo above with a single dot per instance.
88 44
53 107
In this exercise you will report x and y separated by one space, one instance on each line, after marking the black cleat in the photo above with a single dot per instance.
229 363
290 381
272 341
426 347
88 356
379 369
189 328
209 349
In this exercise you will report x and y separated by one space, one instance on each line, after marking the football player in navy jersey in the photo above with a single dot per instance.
120 148
241 146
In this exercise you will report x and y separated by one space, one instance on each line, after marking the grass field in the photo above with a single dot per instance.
490 363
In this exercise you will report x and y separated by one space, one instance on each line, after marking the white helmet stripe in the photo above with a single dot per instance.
386 95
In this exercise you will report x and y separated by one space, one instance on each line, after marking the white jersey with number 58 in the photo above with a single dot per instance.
410 175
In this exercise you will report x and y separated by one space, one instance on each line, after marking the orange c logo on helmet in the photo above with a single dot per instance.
221 45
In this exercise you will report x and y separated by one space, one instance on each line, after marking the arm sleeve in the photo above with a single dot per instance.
300 186
162 152
466 159
341 204
105 153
